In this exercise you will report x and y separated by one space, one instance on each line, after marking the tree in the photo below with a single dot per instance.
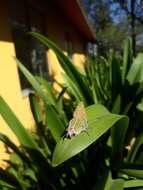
108 32
134 11
114 20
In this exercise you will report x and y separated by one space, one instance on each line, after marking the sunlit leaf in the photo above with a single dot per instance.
99 121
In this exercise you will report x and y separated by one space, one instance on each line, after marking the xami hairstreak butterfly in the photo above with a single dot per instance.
78 123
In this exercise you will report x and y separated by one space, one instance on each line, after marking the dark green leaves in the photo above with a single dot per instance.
4 184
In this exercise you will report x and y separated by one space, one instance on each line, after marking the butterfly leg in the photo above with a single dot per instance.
86 132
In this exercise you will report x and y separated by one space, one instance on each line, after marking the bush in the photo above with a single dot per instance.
105 164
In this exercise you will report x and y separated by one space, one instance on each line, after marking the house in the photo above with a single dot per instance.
64 22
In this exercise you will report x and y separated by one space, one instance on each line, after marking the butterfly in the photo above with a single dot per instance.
78 123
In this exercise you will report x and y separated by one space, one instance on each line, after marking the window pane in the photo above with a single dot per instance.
28 50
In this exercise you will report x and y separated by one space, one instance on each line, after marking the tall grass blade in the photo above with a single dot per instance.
127 58
5 184
16 126
55 125
135 76
67 66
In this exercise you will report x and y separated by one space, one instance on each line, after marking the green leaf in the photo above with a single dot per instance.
35 84
127 58
72 87
30 173
117 184
133 172
133 183
131 169
9 178
135 73
68 67
16 149
35 107
117 105
105 182
39 160
43 89
47 87
37 156
40 91
16 126
140 106
99 121
55 125
5 184
116 78
118 137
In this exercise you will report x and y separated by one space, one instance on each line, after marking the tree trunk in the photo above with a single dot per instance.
133 34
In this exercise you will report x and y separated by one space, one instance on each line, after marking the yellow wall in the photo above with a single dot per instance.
79 56
9 83
10 88
57 27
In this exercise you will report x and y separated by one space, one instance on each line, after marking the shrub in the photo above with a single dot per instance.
103 164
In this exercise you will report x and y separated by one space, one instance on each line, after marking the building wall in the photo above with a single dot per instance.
10 88
57 28
79 55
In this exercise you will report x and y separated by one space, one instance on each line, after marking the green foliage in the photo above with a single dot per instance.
36 163
109 21
96 159
7 185
113 20
23 136
76 78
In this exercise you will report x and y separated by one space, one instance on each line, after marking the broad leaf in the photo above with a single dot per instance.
99 121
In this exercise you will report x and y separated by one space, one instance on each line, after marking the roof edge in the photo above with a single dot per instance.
86 19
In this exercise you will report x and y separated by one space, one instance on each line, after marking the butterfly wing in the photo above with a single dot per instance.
79 121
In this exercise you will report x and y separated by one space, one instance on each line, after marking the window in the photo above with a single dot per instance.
68 45
92 49
29 51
